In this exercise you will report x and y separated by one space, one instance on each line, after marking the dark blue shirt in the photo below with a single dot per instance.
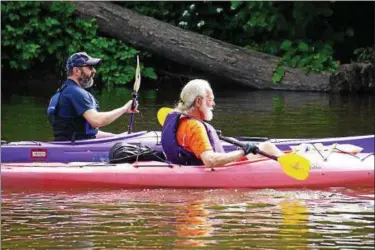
74 101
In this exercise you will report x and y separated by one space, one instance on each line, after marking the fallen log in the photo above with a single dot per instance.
355 77
215 57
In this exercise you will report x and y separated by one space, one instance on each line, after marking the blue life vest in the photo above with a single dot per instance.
69 129
175 153
54 103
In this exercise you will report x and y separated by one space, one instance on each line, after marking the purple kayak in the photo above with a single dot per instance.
97 150
62 151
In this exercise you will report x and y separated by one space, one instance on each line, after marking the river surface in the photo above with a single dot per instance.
237 113
189 219
337 218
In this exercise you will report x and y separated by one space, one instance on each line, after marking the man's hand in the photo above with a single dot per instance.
128 107
250 148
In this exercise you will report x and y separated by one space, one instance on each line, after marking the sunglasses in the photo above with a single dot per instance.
91 67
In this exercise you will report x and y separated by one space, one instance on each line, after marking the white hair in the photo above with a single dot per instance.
190 92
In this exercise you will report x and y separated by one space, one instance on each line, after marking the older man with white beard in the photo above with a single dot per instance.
73 111
187 138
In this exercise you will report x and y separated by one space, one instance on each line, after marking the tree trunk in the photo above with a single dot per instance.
215 57
355 77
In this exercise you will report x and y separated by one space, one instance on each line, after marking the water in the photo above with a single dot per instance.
197 219
238 113
189 219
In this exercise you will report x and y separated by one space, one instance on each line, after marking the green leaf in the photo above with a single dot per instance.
295 61
9 28
13 64
303 47
235 4
278 75
5 42
123 79
286 45
305 61
150 73
13 17
289 54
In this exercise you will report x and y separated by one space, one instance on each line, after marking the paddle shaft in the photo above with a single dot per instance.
135 95
137 84
246 138
240 144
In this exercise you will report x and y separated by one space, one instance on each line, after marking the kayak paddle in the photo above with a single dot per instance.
295 166
137 84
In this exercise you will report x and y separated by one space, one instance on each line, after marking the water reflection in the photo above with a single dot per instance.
179 219
294 230
192 223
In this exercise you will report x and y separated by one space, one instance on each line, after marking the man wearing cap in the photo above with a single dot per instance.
73 111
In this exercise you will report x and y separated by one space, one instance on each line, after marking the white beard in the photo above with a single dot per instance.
207 112
87 83
90 83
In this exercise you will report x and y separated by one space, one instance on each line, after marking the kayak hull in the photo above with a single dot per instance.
98 149
340 170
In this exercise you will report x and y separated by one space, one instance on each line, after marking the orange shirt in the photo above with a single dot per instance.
192 136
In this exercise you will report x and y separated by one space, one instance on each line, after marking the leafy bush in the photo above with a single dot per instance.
271 22
298 32
365 54
33 34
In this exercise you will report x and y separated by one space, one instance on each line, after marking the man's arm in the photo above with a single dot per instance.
102 134
200 145
213 159
100 119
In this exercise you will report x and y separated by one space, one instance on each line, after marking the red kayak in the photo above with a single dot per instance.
340 170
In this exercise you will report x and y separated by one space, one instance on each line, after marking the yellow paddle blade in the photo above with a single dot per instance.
295 166
162 115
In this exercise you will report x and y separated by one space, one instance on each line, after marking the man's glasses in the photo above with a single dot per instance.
90 67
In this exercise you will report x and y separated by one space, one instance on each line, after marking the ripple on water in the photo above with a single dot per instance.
175 219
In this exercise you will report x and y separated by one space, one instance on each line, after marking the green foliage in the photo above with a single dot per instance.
316 58
33 35
272 21
298 32
203 17
118 60
310 58
364 54
278 74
